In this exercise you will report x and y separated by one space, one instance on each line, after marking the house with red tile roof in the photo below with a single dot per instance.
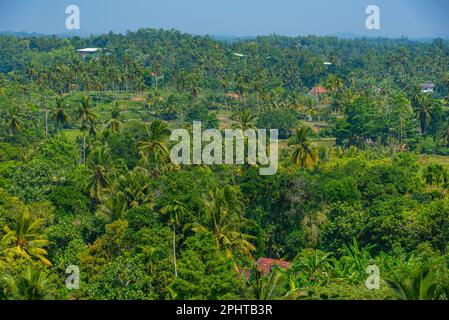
234 96
265 265
317 90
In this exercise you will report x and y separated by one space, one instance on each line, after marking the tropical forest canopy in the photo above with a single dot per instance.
86 179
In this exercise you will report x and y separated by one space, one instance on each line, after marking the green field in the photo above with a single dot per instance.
431 159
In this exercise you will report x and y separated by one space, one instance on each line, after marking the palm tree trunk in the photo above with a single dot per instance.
174 251
84 148
46 122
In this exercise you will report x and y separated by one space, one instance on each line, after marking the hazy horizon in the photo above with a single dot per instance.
232 18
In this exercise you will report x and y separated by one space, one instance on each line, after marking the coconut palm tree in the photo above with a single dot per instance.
243 119
424 105
334 83
31 284
14 123
335 105
5 242
445 135
99 163
241 84
155 148
224 218
340 99
170 108
88 118
175 210
129 191
85 112
25 239
304 154
324 153
114 122
60 114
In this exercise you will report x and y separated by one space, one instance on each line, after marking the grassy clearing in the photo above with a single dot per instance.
130 104
326 142
427 159
71 134
224 117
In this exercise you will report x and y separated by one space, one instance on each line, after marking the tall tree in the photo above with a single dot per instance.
243 119
304 154
423 109
175 209
31 284
224 210
88 119
60 114
14 123
154 149
99 181
25 239
114 122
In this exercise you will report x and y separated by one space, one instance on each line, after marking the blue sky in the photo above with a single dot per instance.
412 18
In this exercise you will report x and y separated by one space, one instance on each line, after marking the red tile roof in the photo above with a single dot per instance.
264 265
318 90
233 95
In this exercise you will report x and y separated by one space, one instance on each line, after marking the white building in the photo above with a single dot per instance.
87 51
427 87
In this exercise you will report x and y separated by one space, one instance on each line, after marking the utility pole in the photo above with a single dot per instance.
46 121
401 129
174 251
156 78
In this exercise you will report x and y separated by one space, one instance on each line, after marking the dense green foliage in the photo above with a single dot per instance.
85 177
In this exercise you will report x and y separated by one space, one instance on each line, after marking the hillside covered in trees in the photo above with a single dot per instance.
86 178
